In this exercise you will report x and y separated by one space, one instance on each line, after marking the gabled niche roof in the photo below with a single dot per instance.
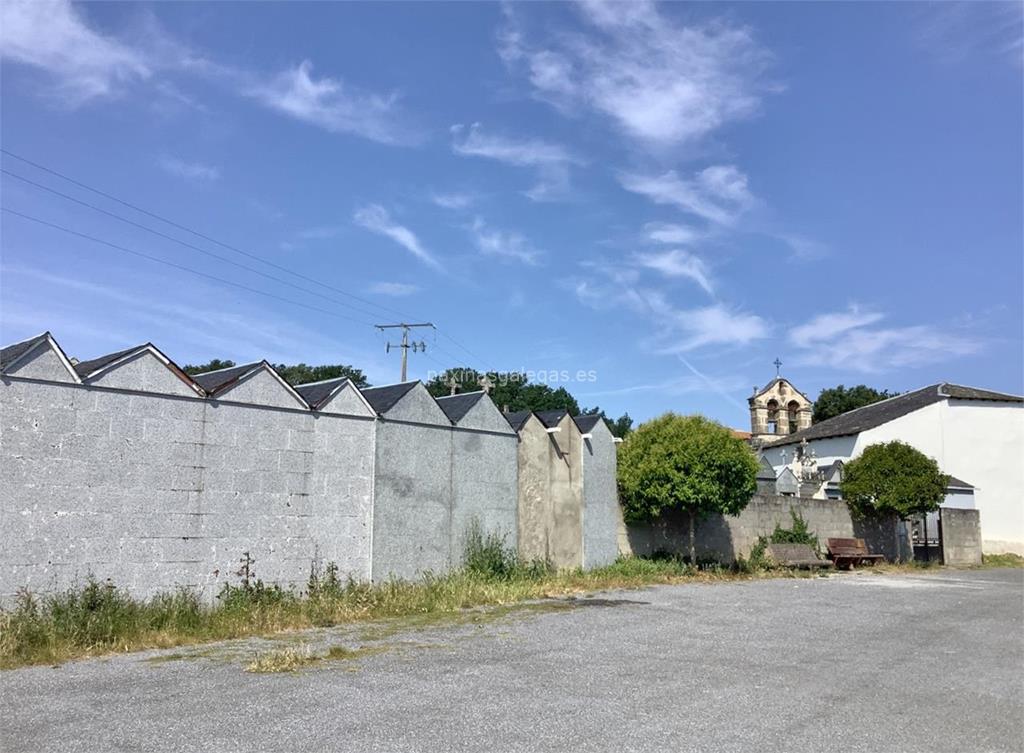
219 380
86 369
382 399
517 419
13 353
587 423
457 406
551 418
95 366
222 380
318 394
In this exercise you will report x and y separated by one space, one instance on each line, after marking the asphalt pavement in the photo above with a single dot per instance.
862 662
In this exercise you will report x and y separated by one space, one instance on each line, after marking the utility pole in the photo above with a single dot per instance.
405 344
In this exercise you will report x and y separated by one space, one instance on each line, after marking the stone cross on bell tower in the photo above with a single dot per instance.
486 384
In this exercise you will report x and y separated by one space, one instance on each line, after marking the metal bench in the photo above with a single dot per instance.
795 555
847 553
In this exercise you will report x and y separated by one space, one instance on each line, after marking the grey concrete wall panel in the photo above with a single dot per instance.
41 363
566 535
534 470
601 512
347 401
412 489
551 493
262 388
484 476
146 373
159 491
961 536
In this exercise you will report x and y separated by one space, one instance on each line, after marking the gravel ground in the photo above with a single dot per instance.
858 662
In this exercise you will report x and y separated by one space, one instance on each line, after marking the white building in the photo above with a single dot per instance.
975 435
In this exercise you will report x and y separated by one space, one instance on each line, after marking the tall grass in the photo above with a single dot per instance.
98 618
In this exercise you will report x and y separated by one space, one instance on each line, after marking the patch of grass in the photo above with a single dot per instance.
1002 560
342 653
282 660
97 618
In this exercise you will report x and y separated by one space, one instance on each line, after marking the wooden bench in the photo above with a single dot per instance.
847 553
795 555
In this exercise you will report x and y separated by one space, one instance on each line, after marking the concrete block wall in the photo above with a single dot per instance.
961 536
724 538
155 491
602 514
485 478
433 479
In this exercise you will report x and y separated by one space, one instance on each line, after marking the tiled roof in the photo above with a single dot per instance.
550 418
85 368
587 423
216 381
955 483
13 352
517 419
317 393
457 406
383 399
876 414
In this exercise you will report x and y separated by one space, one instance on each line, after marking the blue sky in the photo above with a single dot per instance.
667 196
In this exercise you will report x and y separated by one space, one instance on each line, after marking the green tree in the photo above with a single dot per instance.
835 400
893 479
509 389
294 375
686 463
215 365
303 374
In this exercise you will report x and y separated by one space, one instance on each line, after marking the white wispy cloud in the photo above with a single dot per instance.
331 104
55 37
503 244
85 64
677 263
956 31
826 328
662 81
718 194
671 233
396 289
551 161
675 330
377 220
718 324
847 340
189 170
454 200
473 142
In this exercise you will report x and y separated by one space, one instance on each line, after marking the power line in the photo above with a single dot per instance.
182 267
180 242
210 239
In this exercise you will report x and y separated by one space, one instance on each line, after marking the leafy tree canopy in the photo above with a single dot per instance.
893 478
515 391
294 375
688 463
215 365
509 389
835 400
